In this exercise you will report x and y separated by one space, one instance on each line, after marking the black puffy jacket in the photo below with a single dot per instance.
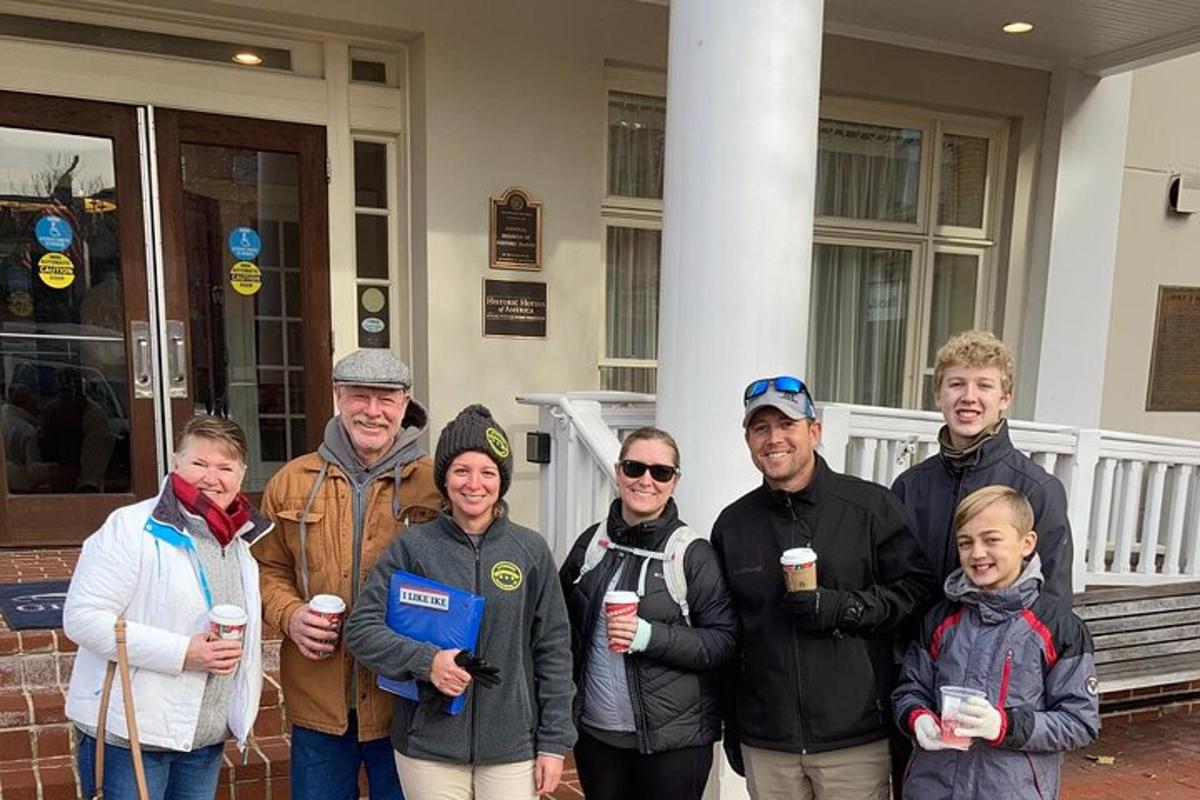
673 682
803 692
933 489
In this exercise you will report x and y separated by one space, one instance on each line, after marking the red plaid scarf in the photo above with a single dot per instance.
223 522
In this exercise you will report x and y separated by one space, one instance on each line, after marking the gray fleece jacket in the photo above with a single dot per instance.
525 634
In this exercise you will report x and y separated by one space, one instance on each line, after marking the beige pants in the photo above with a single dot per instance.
852 773
437 780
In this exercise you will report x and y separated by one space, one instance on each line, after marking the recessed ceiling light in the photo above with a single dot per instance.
247 58
1018 27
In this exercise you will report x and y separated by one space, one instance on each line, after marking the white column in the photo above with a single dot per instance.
1082 251
743 84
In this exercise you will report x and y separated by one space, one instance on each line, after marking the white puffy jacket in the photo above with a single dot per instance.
142 564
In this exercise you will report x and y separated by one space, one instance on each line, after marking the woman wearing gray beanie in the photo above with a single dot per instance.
509 741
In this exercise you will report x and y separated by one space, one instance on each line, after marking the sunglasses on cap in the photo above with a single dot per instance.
660 472
784 384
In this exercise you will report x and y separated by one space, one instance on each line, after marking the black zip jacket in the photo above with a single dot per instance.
804 691
933 489
673 682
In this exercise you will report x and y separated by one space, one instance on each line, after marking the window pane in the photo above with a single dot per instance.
629 379
369 71
371 244
964 180
631 293
370 174
637 131
858 324
868 171
952 306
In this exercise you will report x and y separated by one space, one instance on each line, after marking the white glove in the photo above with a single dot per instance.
929 733
978 718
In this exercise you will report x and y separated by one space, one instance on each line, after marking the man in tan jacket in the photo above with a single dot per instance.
335 511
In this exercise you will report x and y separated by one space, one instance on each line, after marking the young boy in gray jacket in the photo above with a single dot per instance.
1025 661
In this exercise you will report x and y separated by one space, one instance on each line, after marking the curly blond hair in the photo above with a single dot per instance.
976 349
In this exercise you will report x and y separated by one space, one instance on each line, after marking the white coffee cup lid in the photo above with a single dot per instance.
798 555
227 615
327 604
620 597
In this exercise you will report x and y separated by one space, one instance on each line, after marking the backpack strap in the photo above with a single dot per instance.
595 551
673 571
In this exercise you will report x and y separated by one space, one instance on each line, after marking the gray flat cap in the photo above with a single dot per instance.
372 367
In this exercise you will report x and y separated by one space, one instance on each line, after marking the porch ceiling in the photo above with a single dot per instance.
1100 36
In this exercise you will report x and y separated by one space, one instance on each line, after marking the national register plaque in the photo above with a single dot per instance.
516 232
515 309
1175 360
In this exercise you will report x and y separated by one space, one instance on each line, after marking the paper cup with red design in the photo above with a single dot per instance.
799 569
621 604
227 622
332 608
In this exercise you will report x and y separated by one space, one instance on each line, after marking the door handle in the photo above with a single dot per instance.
143 376
176 360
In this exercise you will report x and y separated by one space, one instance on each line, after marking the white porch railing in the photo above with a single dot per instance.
1133 500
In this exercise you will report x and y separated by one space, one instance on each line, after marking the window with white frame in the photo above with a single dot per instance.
632 214
904 245
375 239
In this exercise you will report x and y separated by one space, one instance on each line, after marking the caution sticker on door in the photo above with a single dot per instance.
56 270
245 278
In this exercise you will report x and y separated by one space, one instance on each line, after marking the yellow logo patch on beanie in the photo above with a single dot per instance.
507 575
497 442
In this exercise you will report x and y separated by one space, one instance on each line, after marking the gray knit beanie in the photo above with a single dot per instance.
473 429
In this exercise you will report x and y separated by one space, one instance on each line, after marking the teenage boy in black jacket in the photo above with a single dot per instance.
808 708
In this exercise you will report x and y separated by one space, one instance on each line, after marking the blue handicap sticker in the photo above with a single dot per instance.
244 243
54 233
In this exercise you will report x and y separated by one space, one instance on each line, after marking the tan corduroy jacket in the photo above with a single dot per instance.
316 692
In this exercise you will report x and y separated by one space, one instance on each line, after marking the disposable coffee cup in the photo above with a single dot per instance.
227 622
621 604
332 608
799 569
952 699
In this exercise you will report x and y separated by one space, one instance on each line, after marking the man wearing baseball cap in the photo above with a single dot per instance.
335 511
808 711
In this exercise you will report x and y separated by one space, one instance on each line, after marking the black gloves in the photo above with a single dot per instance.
733 752
823 610
480 670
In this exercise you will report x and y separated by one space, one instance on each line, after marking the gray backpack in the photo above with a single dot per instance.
672 556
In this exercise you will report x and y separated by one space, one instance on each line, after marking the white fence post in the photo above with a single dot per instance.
1079 500
835 435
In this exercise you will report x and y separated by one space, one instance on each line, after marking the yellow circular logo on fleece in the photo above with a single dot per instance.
507 576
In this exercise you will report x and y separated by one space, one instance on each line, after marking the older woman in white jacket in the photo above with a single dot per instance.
163 564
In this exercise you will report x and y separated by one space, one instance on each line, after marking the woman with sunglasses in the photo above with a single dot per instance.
646 701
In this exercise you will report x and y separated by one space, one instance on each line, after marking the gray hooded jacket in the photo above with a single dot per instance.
525 633
1032 658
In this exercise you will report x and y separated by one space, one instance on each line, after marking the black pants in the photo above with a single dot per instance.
614 773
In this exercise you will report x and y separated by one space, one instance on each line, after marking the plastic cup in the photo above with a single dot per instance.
799 569
621 604
227 622
332 608
952 698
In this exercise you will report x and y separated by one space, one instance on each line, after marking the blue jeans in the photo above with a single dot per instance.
170 774
325 767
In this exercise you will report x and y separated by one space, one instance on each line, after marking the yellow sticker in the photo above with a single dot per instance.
56 270
507 576
497 442
245 278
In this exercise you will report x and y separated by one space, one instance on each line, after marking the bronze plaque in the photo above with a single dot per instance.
514 308
1175 361
516 232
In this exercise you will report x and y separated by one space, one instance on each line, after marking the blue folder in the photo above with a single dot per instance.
429 611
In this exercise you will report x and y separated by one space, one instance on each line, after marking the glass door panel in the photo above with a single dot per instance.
244 205
76 442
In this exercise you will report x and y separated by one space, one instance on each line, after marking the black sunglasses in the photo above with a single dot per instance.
660 472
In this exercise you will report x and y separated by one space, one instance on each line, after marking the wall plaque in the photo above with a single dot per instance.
1175 360
515 241
514 308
